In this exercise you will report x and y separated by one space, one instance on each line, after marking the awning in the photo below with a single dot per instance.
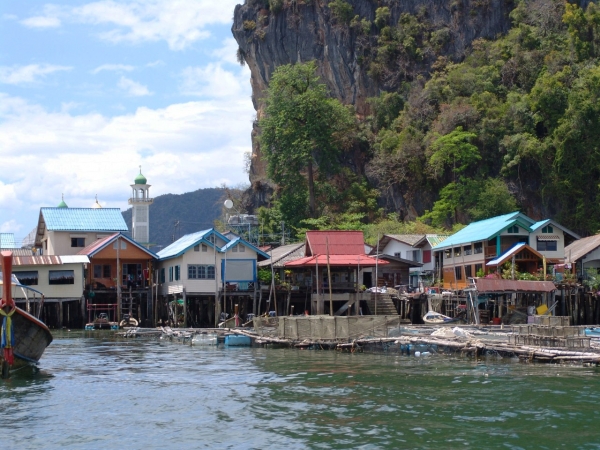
495 285
548 237
337 260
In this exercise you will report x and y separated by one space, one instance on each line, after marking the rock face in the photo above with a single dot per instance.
271 33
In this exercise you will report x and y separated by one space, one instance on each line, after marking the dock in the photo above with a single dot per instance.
551 343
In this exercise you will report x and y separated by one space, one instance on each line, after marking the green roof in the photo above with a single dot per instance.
140 179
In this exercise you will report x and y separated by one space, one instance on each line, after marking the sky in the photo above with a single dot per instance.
92 90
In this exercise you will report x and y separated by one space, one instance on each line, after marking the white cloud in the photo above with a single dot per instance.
42 22
178 22
133 88
181 148
213 81
112 68
28 74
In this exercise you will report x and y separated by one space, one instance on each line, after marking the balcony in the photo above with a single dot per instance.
140 200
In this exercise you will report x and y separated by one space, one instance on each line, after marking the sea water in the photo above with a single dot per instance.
94 390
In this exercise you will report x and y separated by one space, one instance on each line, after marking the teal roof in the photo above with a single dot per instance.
83 219
543 223
485 229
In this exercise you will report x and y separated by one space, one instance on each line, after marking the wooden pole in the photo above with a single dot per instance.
329 278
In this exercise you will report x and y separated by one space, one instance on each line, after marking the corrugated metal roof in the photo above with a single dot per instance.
542 223
74 259
410 239
490 285
7 240
185 242
336 260
21 251
482 230
435 239
83 219
582 247
36 260
338 242
102 243
283 254
513 251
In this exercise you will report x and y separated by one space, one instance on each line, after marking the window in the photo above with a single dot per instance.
397 255
197 248
458 273
177 273
414 255
171 273
547 229
456 251
61 277
448 253
546 246
242 248
513 229
102 271
161 276
234 248
204 248
201 272
468 271
77 242
467 249
478 248
28 278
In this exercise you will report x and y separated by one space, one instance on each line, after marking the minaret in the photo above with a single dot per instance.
140 216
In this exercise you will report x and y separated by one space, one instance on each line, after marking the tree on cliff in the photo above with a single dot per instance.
303 133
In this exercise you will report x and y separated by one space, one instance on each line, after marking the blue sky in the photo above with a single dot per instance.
91 90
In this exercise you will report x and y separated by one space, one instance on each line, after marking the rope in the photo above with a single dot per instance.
8 335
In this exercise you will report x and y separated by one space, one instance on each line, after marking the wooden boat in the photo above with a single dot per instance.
102 322
435 318
30 336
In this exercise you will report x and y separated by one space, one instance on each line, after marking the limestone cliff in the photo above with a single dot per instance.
346 46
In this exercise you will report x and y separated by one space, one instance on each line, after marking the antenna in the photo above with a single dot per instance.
228 204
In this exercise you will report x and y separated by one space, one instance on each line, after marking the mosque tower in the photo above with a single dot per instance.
140 216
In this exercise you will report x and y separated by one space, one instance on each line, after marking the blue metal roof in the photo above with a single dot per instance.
485 229
511 251
181 245
188 241
542 223
7 240
83 219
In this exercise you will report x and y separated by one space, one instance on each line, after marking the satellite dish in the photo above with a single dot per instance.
228 204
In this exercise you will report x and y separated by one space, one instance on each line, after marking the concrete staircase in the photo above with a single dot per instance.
385 305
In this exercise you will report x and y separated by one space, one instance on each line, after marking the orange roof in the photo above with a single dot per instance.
335 243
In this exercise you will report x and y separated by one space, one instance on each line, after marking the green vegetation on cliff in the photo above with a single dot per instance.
515 124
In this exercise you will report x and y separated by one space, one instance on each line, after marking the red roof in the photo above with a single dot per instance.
339 243
336 260
98 243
